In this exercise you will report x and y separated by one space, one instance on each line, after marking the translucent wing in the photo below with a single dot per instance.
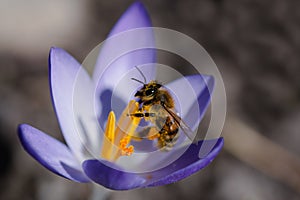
183 126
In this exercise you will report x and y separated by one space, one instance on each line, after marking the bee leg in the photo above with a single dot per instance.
140 114
153 137
137 114
147 114
136 138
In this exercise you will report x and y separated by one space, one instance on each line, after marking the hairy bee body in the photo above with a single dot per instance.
157 104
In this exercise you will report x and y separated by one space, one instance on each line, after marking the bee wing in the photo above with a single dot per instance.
184 127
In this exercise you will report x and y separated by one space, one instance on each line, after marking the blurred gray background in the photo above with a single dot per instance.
255 44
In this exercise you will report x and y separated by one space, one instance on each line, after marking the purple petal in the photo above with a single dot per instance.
101 173
198 89
189 163
51 153
72 96
135 16
120 54
186 165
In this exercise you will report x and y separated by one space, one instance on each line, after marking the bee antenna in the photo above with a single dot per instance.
137 80
141 74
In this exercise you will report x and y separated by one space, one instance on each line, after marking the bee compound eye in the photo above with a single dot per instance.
149 92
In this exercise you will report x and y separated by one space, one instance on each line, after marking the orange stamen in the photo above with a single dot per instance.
117 138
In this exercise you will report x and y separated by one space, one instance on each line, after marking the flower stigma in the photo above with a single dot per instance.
116 140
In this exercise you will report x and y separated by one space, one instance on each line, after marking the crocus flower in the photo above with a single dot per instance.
92 157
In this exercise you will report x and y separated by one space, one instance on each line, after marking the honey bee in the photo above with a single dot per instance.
157 105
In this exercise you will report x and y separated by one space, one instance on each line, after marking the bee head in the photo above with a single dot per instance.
148 90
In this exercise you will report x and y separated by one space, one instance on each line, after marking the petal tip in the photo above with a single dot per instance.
22 129
136 16
54 50
138 5
210 82
51 153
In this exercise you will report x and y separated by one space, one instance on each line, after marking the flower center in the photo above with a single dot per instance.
117 138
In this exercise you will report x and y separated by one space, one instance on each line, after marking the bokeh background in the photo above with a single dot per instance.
255 44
